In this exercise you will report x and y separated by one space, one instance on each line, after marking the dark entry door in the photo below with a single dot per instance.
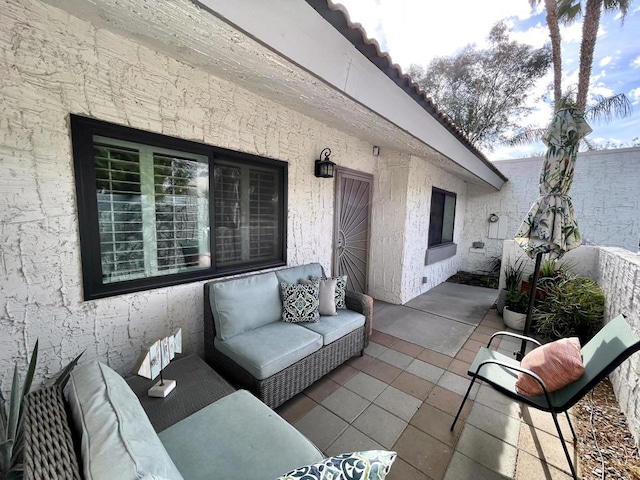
352 227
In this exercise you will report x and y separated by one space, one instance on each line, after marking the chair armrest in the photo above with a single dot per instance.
361 303
514 335
517 369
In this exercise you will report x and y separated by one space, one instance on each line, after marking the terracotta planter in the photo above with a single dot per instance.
514 320
526 287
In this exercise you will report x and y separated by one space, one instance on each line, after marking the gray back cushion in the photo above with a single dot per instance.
246 303
293 274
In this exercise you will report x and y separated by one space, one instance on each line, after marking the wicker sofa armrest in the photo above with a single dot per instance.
361 303
49 451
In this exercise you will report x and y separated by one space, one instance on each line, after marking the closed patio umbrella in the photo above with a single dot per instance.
550 226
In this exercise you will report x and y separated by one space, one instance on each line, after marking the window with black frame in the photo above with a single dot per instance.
442 217
147 204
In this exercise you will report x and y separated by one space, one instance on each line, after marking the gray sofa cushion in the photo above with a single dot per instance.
334 327
293 274
237 437
245 303
116 437
266 350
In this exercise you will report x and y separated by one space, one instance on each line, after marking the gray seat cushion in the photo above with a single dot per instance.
266 350
237 437
293 274
333 327
245 303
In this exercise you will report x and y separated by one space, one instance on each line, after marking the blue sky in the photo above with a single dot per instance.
415 31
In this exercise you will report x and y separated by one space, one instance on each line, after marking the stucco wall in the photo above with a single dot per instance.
604 194
619 277
53 64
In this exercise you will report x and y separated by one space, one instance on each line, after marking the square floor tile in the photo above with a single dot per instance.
352 440
466 355
435 358
546 447
458 384
448 401
437 423
529 467
366 386
374 349
295 408
459 368
346 404
425 370
321 427
480 337
490 397
495 423
414 386
382 370
359 362
382 338
342 374
395 358
399 403
487 450
544 421
462 467
407 348
473 345
401 470
321 389
423 452
380 425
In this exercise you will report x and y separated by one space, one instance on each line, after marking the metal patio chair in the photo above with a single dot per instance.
611 346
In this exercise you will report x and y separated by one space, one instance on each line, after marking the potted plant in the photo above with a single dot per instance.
573 307
515 310
512 277
550 273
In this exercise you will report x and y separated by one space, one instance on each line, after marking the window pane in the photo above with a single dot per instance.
448 218
435 218
153 212
247 206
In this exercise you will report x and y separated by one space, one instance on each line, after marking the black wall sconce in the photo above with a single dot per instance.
324 166
493 218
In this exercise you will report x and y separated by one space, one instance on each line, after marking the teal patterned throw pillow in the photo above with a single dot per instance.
371 465
300 302
341 288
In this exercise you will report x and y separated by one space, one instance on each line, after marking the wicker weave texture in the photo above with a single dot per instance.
49 452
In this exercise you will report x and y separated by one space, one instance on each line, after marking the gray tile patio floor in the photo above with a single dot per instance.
402 396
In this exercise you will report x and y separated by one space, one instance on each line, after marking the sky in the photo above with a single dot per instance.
415 31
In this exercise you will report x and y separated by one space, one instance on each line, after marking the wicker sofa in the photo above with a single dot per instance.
241 318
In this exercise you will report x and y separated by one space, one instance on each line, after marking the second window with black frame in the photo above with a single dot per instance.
442 217
156 210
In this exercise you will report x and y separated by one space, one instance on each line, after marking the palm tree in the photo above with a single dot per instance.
551 8
568 11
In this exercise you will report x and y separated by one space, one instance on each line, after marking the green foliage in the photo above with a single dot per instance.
513 274
484 91
517 301
11 435
573 306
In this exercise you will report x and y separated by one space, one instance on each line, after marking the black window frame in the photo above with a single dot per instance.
83 130
445 194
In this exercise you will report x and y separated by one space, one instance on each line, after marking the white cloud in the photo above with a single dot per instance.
636 62
605 61
536 36
634 96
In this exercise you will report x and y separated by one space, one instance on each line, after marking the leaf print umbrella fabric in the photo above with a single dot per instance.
551 226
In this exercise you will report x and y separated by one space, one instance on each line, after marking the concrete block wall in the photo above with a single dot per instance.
53 64
604 194
619 277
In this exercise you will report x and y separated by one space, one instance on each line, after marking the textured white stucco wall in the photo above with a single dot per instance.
53 64
605 195
619 277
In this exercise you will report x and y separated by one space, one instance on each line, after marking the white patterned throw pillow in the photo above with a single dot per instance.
300 302
341 288
371 465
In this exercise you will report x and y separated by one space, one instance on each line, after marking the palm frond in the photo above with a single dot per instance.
526 136
569 10
607 108
63 376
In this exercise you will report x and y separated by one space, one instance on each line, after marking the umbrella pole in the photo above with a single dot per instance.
532 299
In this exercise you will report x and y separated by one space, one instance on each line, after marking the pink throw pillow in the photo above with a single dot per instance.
557 363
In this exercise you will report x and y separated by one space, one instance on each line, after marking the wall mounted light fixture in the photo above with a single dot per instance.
493 218
376 150
324 166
